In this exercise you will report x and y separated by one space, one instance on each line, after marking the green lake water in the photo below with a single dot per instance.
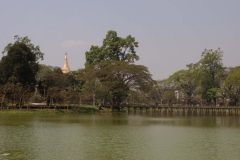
119 137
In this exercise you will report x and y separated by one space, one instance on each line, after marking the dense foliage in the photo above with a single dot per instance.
111 78
110 69
113 48
208 81
18 69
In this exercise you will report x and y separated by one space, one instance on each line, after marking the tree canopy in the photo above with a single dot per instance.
26 41
185 81
231 85
211 72
113 48
111 76
204 77
110 69
114 79
18 69
20 64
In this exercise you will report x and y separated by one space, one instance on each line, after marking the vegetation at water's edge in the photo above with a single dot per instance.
111 78
73 110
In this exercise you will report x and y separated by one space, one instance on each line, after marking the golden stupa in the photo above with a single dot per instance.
65 68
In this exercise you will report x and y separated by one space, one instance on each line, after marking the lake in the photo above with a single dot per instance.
119 136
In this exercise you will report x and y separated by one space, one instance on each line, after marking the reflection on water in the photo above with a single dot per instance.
119 136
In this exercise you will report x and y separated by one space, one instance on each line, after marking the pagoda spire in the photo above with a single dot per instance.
65 68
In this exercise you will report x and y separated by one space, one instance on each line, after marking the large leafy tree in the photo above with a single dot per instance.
109 68
75 80
184 81
25 40
18 69
210 74
113 48
231 86
114 79
20 64
52 84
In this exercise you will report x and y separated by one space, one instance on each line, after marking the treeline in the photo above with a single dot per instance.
109 77
207 82
112 78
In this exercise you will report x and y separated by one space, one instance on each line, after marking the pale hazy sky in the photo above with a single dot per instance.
171 33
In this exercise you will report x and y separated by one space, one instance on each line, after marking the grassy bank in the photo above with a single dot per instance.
74 110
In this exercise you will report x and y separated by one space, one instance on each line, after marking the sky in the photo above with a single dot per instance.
171 33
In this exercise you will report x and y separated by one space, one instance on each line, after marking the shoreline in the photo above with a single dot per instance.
83 109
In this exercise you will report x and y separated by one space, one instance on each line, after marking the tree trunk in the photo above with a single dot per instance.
48 101
118 102
215 101
2 102
80 100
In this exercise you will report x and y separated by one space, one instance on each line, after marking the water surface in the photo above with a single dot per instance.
119 136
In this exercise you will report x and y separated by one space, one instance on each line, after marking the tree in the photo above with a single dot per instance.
168 97
18 68
184 80
109 69
52 83
210 73
22 93
4 91
158 90
75 80
115 78
231 86
20 65
113 48
25 40
43 69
